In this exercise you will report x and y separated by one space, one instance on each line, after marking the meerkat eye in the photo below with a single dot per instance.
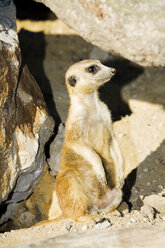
93 69
72 81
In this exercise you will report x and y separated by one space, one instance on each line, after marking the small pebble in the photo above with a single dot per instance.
84 228
146 170
3 236
154 117
116 212
103 225
148 212
132 220
145 220
123 208
148 183
160 186
155 201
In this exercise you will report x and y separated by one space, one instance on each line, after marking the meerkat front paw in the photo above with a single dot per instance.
101 176
102 179
94 221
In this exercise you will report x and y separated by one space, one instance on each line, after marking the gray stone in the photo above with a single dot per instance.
123 208
134 30
143 237
55 150
155 201
103 224
25 125
148 212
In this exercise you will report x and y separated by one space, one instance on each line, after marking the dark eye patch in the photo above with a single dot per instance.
72 81
93 69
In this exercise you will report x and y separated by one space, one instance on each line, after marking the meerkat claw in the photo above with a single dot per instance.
103 180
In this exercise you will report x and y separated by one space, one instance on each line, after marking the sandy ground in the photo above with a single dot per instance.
49 48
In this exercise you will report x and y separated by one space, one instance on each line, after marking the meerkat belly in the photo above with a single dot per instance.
85 175
99 137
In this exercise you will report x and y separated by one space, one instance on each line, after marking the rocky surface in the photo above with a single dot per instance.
52 52
70 234
133 30
126 238
25 125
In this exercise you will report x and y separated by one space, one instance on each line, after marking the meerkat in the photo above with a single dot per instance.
91 169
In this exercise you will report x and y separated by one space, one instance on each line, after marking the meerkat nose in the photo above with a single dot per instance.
113 71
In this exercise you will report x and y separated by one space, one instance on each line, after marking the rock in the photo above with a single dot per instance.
25 125
146 93
140 135
115 213
123 208
55 150
103 224
155 201
148 212
99 54
135 200
139 237
133 30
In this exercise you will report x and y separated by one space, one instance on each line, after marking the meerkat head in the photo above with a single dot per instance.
87 76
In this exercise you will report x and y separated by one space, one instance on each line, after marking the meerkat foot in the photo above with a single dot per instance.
92 220
43 223
101 176
102 179
111 200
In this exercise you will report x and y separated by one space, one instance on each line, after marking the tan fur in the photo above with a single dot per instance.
91 174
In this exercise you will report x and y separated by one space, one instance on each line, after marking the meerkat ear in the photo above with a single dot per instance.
72 81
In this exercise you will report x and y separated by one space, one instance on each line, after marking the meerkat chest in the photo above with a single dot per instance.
99 115
98 126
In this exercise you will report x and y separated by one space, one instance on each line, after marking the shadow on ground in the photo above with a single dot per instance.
62 51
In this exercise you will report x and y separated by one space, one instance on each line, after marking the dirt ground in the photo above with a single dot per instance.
49 48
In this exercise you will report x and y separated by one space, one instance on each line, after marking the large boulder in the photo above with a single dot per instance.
133 29
25 125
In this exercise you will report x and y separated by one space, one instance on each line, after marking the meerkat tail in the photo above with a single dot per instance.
73 200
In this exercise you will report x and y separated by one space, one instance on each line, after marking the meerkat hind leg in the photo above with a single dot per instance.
91 219
110 200
73 200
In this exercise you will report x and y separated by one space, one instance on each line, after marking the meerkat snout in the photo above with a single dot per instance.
113 71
